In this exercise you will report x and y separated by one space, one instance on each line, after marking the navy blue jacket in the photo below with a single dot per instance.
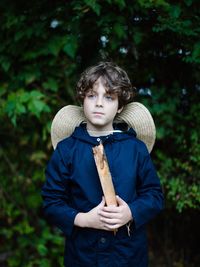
72 186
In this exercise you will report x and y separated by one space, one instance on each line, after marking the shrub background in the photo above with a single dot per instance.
44 46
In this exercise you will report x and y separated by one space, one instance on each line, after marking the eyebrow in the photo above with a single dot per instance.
93 90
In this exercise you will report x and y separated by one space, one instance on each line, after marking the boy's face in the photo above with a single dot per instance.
100 108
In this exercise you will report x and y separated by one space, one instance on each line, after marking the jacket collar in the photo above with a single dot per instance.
81 133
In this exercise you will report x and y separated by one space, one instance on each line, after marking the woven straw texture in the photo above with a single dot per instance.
135 114
139 118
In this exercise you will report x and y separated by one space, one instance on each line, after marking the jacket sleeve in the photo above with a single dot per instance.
55 193
149 200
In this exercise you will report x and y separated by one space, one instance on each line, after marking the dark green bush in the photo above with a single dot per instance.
44 46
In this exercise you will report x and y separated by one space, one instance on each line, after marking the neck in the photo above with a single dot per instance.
97 133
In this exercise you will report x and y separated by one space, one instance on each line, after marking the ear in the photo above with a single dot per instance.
120 110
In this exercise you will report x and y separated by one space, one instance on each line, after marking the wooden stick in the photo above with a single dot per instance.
105 176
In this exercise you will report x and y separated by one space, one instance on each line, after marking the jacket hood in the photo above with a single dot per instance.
81 133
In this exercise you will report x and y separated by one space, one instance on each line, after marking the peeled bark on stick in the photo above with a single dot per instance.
105 176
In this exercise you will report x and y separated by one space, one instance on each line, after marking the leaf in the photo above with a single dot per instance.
38 157
18 103
121 3
188 2
94 6
29 78
45 262
70 47
196 51
137 37
37 106
42 249
55 45
33 201
119 30
150 4
51 84
23 227
18 35
5 63
175 11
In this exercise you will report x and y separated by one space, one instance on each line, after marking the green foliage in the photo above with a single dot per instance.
43 49
21 102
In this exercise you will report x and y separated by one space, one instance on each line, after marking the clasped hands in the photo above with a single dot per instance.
105 217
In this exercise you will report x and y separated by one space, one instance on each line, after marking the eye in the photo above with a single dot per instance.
90 95
109 97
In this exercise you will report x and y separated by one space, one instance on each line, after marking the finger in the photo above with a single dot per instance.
120 201
109 215
109 221
100 206
112 209
102 203
110 227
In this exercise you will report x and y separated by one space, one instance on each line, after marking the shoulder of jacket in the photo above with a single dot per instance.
66 142
140 146
65 147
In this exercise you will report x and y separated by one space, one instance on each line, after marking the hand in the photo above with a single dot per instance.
113 217
92 218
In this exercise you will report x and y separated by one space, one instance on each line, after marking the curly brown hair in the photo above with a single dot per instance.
114 78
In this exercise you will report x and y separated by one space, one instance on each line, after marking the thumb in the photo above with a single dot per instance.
102 203
120 201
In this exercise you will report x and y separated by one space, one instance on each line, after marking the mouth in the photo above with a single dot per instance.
98 113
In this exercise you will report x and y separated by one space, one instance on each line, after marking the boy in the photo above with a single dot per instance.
72 192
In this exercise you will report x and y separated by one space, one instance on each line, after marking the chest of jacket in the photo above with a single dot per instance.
85 188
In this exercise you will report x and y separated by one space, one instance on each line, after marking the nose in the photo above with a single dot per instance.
99 101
